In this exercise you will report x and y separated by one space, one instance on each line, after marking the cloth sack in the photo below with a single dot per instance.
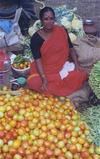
81 95
14 36
88 51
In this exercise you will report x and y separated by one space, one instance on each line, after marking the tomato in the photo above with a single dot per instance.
69 155
33 126
79 147
73 149
81 140
2 134
9 136
21 66
84 154
49 152
83 126
21 151
95 156
24 123
97 150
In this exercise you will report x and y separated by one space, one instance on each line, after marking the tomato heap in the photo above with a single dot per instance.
35 126
20 62
22 65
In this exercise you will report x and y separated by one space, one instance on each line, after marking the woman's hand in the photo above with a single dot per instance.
44 84
40 70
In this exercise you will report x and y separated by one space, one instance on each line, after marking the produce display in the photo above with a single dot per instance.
91 117
36 126
20 62
94 79
27 50
70 20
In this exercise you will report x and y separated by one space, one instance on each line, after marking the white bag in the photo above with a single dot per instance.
14 36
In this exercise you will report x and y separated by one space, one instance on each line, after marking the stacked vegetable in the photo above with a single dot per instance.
94 79
91 117
35 126
20 62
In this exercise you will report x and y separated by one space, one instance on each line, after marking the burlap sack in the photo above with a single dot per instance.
81 95
88 51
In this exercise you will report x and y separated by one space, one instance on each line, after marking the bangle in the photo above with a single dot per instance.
42 75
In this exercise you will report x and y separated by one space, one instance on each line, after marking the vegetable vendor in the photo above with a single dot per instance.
52 72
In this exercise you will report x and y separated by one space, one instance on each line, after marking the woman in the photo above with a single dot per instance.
51 72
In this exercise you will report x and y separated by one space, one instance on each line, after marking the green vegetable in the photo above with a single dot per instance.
94 79
19 59
92 117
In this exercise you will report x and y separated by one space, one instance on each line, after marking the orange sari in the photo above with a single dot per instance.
54 53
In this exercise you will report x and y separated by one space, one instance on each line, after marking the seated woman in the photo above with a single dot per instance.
51 72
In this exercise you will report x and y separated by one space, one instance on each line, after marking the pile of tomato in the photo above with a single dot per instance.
35 126
22 65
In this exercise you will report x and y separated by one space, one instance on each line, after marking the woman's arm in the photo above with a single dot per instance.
40 70
36 43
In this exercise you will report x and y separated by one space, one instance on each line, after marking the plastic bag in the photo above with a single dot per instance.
14 36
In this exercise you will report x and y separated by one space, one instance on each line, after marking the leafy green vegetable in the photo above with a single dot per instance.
94 79
19 59
92 117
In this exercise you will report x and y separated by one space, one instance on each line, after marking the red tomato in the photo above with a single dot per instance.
84 154
2 134
24 123
21 151
73 149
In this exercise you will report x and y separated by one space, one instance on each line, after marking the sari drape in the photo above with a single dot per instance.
54 53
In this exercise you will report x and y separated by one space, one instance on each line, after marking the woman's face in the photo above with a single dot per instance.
48 20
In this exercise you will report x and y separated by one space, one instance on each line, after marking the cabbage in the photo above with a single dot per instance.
74 25
77 23
72 36
65 22
36 26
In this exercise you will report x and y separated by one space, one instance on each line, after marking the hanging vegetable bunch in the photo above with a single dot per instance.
94 79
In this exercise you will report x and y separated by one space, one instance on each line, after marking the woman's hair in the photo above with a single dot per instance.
44 10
